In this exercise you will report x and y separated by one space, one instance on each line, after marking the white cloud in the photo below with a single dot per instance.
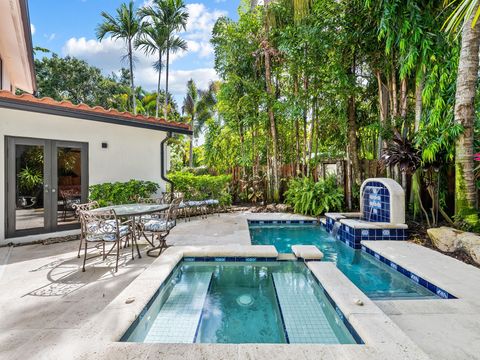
108 54
32 29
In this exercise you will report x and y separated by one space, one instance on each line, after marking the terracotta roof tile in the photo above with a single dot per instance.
96 110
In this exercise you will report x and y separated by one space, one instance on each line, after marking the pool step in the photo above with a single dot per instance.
303 316
178 318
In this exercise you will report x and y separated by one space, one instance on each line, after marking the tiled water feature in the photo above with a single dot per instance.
381 216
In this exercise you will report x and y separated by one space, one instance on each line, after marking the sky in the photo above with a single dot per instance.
67 27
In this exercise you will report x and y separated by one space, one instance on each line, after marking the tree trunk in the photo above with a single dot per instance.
132 83
383 105
312 136
157 105
394 94
353 143
349 182
297 128
418 102
352 130
166 81
273 128
190 159
465 192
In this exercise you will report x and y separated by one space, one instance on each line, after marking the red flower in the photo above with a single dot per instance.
476 157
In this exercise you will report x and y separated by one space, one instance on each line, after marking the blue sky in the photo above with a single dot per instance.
67 27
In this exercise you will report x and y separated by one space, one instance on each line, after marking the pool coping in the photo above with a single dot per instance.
112 323
437 290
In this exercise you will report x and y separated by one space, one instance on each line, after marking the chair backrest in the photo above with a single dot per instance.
98 225
168 197
173 209
84 207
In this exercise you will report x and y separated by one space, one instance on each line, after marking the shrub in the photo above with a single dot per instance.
314 198
122 192
202 187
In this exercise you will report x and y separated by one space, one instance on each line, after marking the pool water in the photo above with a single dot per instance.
374 278
260 302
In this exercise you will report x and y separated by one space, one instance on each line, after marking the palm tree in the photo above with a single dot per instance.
125 25
190 105
154 40
198 105
173 15
465 16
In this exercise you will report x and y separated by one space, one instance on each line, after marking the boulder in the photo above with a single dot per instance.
283 208
444 238
449 240
271 208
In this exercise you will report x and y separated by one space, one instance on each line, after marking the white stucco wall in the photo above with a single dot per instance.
132 153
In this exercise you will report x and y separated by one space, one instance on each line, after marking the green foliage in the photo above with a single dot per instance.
122 192
29 179
314 198
202 187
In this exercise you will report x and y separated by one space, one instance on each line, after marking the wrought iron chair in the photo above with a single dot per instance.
159 225
78 209
104 227
183 208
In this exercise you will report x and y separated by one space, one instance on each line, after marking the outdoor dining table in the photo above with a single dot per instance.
134 212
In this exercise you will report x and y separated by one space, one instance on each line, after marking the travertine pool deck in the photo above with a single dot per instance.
49 309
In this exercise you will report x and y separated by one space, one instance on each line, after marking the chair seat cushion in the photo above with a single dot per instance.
192 203
107 232
157 225
212 202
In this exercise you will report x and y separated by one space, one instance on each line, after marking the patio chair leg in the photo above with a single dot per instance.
104 256
80 246
85 257
138 249
118 255
132 249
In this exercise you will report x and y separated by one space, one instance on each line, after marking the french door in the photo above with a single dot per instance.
44 179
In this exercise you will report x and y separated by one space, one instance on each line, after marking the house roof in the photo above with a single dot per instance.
16 50
27 102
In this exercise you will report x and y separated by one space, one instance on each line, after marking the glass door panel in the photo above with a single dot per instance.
29 185
69 183
45 178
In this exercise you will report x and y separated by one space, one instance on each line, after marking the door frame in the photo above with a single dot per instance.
50 185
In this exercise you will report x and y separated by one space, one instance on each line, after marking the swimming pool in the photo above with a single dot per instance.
375 279
261 302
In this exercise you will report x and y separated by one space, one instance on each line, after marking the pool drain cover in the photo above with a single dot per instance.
245 300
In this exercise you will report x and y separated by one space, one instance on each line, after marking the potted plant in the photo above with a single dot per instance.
29 181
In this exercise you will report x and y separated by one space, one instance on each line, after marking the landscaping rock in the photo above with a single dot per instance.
444 238
450 240
271 208
283 208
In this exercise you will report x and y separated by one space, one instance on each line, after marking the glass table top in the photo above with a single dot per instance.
134 209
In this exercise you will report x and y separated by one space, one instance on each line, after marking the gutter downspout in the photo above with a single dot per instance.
163 165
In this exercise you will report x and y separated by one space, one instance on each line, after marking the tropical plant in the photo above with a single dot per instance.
153 40
198 106
466 14
314 198
29 179
401 152
173 16
122 192
126 26
201 187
